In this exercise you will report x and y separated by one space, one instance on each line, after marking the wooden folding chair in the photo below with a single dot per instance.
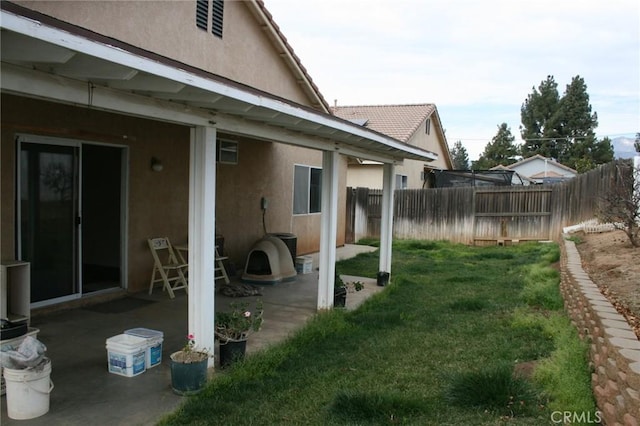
166 267
220 271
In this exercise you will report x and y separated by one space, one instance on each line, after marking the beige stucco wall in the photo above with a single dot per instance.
244 53
432 142
265 169
157 202
365 176
370 175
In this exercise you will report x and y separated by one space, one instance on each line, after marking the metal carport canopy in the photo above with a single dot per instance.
48 59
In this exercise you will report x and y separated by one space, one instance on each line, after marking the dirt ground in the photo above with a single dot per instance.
614 265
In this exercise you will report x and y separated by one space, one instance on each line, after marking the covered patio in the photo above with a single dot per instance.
86 393
105 75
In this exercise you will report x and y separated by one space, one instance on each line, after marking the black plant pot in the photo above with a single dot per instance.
232 351
340 297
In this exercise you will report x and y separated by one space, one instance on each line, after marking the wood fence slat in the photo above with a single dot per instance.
468 214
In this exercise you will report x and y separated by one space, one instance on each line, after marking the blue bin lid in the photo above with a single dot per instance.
144 332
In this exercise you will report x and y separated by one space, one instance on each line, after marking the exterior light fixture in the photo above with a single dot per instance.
156 165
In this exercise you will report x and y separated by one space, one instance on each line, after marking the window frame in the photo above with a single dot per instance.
404 181
222 149
313 190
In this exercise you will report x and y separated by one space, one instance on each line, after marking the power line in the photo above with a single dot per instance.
610 136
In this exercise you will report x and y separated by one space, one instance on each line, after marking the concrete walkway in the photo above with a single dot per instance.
85 393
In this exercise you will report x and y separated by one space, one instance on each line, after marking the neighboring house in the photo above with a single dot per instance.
123 121
538 169
418 125
516 178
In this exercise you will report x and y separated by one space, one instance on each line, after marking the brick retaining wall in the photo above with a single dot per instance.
614 347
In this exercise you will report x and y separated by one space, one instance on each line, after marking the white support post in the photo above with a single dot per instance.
202 204
328 229
386 225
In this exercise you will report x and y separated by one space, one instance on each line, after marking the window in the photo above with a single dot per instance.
427 126
227 152
217 14
307 188
401 182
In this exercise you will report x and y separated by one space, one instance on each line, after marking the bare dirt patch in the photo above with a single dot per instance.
614 266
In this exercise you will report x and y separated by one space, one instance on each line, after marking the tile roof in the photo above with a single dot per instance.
397 121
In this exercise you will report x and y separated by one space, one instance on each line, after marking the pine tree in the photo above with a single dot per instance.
538 120
459 157
500 151
563 128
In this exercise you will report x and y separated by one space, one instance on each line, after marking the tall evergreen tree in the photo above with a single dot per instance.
537 115
576 124
500 151
563 128
459 157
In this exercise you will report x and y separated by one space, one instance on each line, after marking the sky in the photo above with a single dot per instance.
477 61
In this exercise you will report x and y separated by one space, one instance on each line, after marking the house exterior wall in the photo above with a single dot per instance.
537 165
157 203
432 142
370 175
365 176
243 54
265 169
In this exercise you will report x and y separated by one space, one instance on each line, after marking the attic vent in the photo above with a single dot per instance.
217 13
202 12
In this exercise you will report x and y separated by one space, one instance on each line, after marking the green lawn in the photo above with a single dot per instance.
438 346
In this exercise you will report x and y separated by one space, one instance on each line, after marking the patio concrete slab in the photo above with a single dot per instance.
85 393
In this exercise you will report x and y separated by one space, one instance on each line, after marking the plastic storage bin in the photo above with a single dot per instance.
154 339
126 355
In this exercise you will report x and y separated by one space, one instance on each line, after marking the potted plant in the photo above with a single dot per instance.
340 290
189 368
232 329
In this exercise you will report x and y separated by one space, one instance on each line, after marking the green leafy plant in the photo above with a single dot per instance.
239 323
349 287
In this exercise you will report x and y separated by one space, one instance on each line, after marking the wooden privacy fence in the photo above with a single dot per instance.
472 215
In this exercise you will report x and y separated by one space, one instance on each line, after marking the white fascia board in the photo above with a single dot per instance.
36 29
40 85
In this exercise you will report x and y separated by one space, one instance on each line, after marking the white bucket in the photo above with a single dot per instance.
28 391
126 355
154 338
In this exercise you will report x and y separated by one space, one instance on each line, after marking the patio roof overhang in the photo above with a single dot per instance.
49 59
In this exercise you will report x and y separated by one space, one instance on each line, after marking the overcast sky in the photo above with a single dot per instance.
476 60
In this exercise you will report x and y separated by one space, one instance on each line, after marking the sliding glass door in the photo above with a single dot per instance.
48 218
71 217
